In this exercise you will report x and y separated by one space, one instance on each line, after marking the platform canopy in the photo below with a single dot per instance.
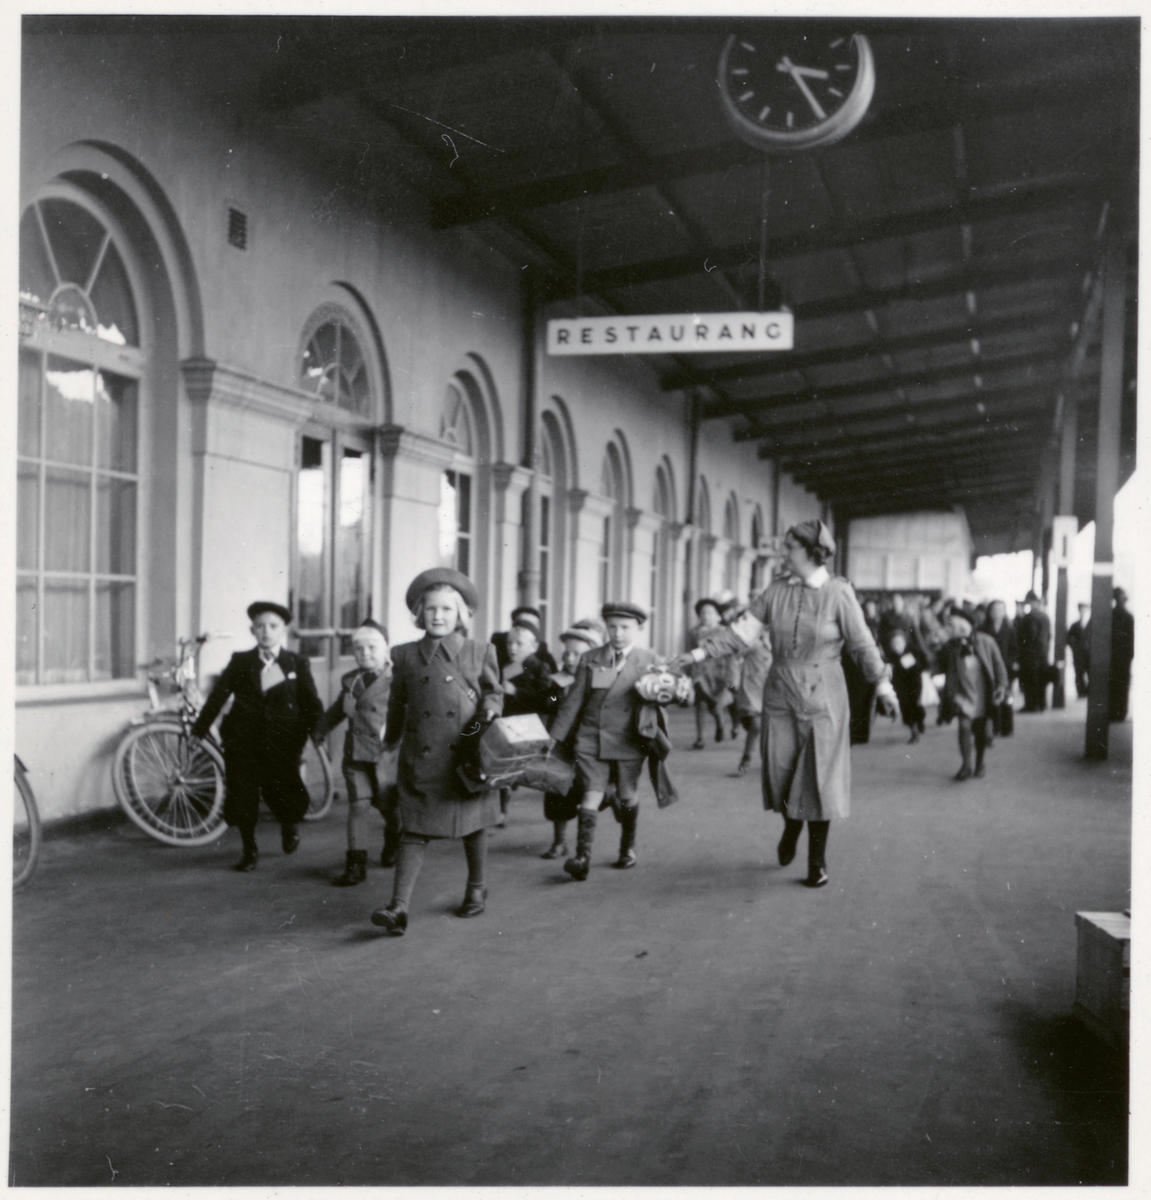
941 261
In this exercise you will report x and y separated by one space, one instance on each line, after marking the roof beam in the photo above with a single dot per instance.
763 406
1047 320
1012 458
1019 199
731 154
924 495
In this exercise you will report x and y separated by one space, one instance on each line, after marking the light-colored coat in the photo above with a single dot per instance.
806 717
438 686
604 719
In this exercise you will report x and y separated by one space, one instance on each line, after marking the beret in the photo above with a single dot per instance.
425 581
706 600
269 606
369 623
580 635
623 608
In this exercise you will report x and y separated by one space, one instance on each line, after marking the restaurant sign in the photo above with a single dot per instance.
672 333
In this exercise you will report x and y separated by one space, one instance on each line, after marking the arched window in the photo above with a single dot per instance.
82 368
456 484
333 367
731 536
611 545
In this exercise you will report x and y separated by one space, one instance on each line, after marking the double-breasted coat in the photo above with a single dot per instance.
806 732
263 734
365 709
439 685
604 718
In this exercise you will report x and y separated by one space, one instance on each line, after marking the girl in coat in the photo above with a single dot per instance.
441 685
812 617
712 693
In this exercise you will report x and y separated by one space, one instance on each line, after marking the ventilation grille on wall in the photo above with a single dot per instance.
237 229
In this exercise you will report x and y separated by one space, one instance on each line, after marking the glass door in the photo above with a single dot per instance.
333 522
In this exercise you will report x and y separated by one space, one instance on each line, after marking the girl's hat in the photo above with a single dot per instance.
580 635
269 606
439 577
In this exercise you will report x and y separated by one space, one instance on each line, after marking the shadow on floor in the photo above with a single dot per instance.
1090 1086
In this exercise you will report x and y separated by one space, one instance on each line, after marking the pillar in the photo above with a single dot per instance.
1063 533
1106 485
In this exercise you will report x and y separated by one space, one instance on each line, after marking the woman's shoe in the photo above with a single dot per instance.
788 843
962 774
816 879
393 918
556 850
474 899
980 771
744 763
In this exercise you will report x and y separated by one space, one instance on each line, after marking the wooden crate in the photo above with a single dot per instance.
1103 975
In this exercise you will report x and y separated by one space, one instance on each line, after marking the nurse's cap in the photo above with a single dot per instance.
623 608
438 577
269 606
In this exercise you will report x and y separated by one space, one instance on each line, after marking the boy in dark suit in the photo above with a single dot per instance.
363 702
600 709
275 709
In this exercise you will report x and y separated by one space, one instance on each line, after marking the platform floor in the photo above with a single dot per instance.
702 1019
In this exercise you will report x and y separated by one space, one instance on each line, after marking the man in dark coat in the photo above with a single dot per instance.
1033 634
1122 652
275 708
1079 643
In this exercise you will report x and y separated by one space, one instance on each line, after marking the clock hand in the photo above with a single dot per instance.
785 64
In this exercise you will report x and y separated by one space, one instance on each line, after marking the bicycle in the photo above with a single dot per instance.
27 832
172 784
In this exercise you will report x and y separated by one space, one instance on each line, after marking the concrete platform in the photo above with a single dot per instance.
702 1019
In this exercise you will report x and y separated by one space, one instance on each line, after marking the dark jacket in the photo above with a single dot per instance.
259 722
994 672
535 690
1007 642
604 719
1033 637
366 709
500 641
439 685
651 728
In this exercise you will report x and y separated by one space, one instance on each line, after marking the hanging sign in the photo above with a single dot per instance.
672 333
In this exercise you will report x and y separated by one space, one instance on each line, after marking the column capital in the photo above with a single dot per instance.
505 474
577 497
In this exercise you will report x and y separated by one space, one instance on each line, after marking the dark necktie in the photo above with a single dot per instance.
619 658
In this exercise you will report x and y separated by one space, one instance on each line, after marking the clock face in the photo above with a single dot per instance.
796 92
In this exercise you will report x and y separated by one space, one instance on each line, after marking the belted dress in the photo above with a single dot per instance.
806 717
438 686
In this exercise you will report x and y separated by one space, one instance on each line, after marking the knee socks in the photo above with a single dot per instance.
411 859
357 823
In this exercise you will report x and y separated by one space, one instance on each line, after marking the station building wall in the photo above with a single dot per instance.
243 477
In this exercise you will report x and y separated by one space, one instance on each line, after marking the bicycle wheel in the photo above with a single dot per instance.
170 784
316 772
26 831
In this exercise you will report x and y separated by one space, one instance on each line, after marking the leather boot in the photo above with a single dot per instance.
789 841
579 866
474 899
355 869
628 819
250 854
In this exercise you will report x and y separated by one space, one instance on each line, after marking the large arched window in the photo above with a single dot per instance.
82 366
332 364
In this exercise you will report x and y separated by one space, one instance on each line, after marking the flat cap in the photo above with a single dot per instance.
269 606
623 608
438 577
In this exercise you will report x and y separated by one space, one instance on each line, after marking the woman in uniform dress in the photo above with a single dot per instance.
440 685
812 617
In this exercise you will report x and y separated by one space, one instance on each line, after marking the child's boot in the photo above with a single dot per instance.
355 869
559 845
579 866
628 818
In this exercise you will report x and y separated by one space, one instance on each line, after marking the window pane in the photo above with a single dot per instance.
350 539
25 629
68 399
447 519
115 526
545 521
28 422
319 367
65 631
71 309
67 520
37 279
76 237
112 297
115 625
116 422
27 516
311 520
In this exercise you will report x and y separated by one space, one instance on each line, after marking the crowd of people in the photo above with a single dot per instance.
801 671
